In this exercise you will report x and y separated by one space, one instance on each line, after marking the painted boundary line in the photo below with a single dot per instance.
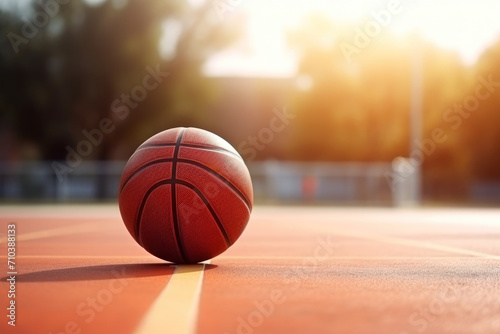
176 308
153 260
404 242
355 258
56 232
262 258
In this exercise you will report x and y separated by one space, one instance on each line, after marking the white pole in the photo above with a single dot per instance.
416 100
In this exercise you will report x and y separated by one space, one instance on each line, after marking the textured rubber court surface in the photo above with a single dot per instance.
294 270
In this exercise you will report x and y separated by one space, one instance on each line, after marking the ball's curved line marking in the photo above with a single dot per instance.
180 243
195 163
172 183
137 225
154 162
155 145
203 147
210 208
213 149
220 177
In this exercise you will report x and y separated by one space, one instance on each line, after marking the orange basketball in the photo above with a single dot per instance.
185 195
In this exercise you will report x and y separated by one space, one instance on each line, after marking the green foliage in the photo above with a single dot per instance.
66 78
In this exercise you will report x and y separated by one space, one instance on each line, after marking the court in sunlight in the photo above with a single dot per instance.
295 270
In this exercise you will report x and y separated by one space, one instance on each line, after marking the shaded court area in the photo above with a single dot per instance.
294 270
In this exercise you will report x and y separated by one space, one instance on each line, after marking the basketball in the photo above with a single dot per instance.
185 195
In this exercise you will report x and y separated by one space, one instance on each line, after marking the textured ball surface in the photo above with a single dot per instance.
185 195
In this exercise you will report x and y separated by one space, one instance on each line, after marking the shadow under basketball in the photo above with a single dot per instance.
105 272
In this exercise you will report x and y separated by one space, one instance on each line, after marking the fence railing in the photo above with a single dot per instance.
345 183
348 183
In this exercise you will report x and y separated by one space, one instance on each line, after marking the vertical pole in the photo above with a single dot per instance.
416 100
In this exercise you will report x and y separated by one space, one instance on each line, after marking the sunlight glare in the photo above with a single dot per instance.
464 27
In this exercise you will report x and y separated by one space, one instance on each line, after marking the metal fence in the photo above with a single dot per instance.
282 182
90 181
346 183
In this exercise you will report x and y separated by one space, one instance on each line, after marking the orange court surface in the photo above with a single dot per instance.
294 270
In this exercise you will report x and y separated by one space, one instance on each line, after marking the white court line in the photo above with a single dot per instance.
264 258
59 211
55 232
176 308
353 258
146 256
222 257
404 242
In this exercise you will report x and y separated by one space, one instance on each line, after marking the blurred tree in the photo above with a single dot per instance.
446 166
481 135
86 57
88 63
356 106
74 72
85 69
356 109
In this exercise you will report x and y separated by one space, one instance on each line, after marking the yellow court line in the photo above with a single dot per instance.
176 308
55 232
406 242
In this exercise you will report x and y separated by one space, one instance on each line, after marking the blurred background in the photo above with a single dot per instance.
329 102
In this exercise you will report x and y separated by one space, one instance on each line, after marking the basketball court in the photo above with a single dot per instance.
294 270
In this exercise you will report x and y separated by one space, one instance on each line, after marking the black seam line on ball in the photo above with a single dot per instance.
222 178
151 163
173 196
209 207
213 149
173 183
137 226
208 169
207 148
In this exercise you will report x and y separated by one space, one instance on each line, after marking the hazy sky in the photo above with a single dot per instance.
466 26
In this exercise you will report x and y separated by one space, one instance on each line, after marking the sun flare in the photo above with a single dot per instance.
464 27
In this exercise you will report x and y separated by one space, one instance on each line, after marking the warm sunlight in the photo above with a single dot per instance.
465 27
